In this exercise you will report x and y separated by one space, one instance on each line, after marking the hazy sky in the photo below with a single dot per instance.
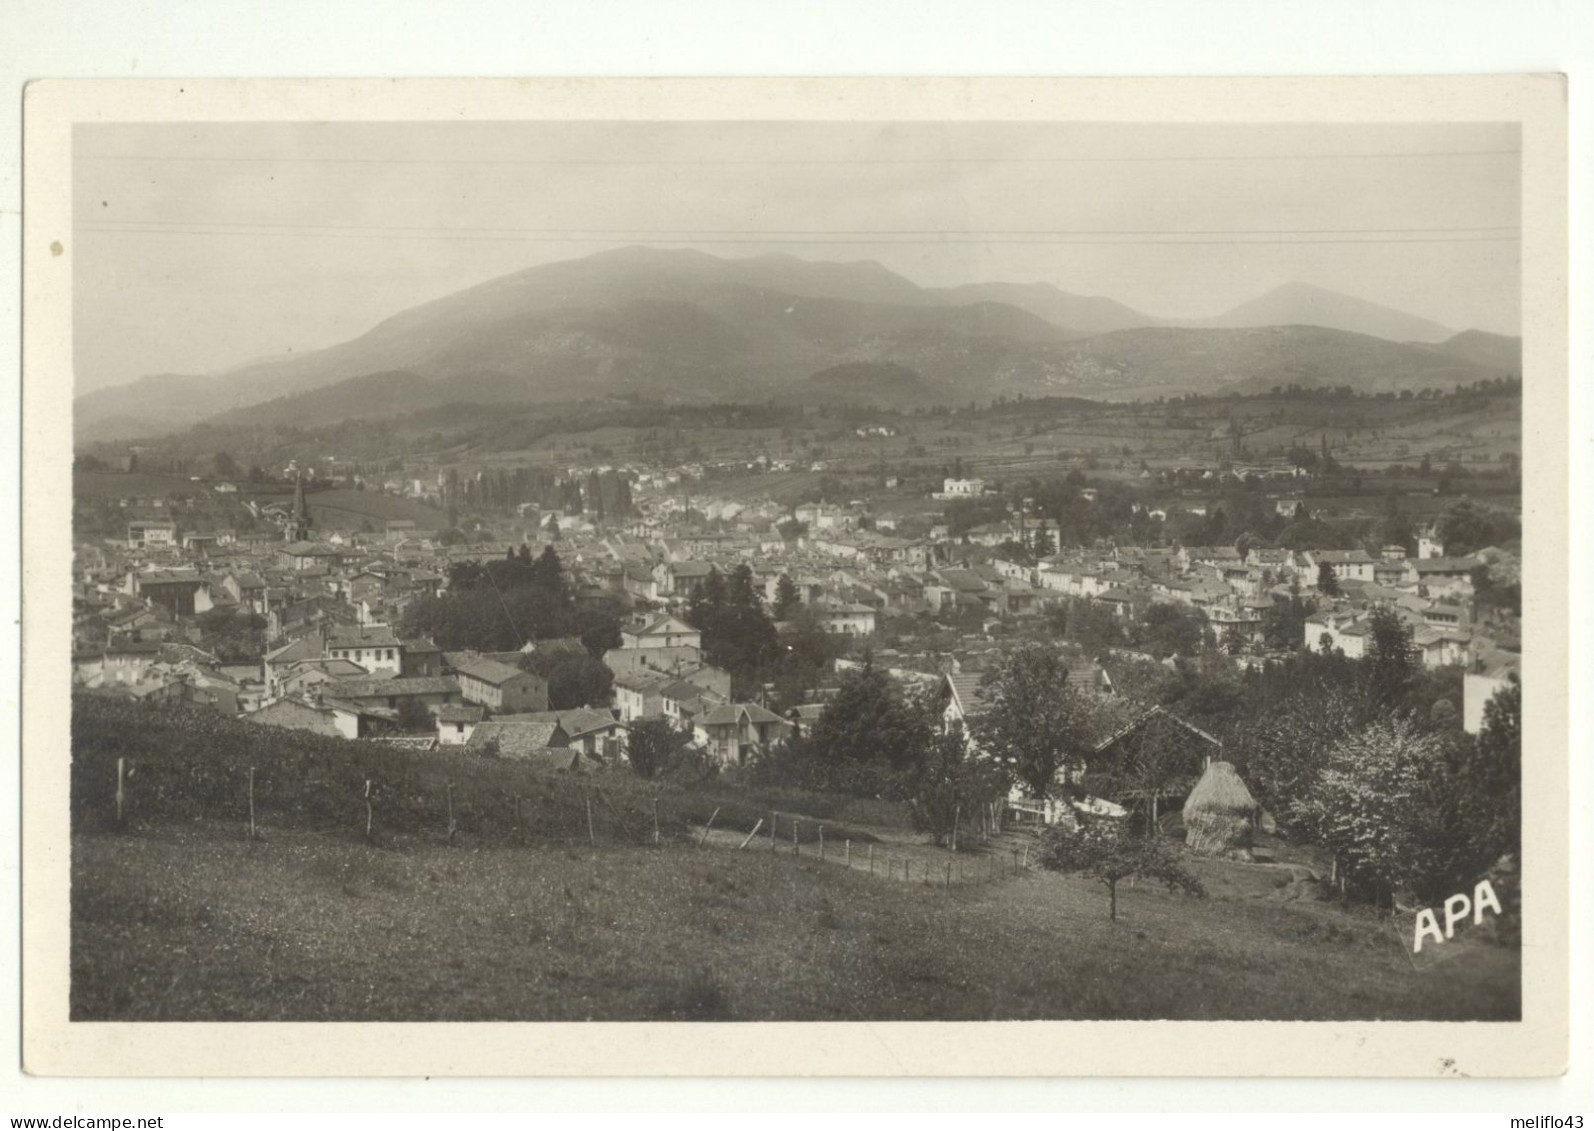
203 247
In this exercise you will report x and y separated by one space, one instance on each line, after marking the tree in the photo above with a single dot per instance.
738 634
1282 746
1392 659
1385 804
414 717
1327 580
226 467
653 745
547 573
870 720
575 679
1166 629
1488 773
786 598
1107 850
1031 722
951 784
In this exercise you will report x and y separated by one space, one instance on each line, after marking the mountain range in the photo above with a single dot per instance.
686 326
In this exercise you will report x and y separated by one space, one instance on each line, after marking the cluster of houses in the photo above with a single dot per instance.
329 657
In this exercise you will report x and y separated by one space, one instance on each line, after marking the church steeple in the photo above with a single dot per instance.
297 528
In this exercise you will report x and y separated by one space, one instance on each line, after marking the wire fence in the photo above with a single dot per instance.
978 858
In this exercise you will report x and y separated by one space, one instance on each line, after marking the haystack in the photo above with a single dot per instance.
1220 813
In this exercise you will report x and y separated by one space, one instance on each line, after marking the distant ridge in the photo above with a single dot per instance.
690 327
1301 304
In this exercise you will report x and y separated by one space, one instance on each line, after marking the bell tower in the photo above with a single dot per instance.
297 528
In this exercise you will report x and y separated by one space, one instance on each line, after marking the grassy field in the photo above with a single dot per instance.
190 921
342 508
128 484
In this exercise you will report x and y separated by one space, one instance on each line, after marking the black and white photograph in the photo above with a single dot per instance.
569 569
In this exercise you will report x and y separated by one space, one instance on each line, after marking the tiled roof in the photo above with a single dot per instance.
575 721
355 636
374 687
461 713
486 670
966 688
522 740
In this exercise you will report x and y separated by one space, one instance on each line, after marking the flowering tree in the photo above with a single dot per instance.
1379 804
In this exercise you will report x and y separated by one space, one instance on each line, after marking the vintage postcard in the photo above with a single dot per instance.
796 577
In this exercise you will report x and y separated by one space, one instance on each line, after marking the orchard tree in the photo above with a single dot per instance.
1108 851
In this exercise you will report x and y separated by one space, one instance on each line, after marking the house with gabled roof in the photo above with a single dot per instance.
500 687
374 647
382 696
297 714
594 732
456 722
734 732
540 742
661 632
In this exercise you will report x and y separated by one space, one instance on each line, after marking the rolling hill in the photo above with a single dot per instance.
1493 351
1169 361
877 384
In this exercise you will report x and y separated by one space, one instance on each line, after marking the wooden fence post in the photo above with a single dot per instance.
592 836
448 790
752 834
702 840
957 813
656 820
949 873
821 842
251 803
367 808
121 777
796 845
772 822
849 852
